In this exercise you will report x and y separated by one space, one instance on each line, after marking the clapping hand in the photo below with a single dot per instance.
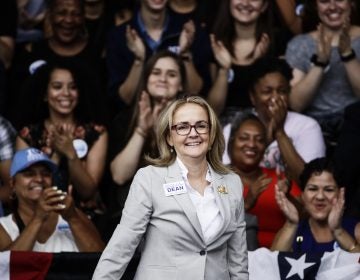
288 208
135 43
147 114
261 47
222 55
68 209
337 210
62 140
260 185
51 199
345 39
283 182
323 44
277 115
186 37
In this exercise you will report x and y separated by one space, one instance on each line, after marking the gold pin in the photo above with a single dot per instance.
222 189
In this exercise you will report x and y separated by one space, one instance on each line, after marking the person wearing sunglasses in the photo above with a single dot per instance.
186 206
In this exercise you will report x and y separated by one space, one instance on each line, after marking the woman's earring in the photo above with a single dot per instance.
171 149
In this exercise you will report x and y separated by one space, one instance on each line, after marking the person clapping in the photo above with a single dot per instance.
44 218
325 229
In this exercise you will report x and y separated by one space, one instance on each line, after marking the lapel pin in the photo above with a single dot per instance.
222 189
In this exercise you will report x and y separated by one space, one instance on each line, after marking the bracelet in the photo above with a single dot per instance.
348 57
139 131
316 62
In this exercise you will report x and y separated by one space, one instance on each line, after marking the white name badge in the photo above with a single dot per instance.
174 188
80 147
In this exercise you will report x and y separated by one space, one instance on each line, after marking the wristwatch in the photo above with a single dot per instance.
314 60
348 57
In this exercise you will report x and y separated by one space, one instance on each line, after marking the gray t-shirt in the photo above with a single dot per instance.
334 92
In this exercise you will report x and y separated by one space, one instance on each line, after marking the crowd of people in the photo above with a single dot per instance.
180 132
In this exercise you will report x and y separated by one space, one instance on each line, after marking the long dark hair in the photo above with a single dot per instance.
144 80
224 27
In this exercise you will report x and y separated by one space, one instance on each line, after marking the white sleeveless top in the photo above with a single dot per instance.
61 240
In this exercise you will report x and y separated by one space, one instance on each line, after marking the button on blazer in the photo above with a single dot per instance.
174 247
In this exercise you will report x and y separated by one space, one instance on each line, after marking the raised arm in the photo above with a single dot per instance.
293 161
218 92
194 81
20 144
255 190
86 236
135 44
305 85
287 9
345 240
125 164
349 58
7 46
84 175
49 202
8 22
284 238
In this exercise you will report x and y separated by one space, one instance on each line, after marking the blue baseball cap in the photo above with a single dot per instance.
27 157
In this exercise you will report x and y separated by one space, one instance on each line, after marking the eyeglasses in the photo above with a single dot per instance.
201 127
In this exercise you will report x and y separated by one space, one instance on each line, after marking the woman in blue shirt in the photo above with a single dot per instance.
324 229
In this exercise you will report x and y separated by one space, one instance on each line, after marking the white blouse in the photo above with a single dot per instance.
207 210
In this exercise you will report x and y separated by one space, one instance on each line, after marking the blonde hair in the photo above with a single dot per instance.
163 128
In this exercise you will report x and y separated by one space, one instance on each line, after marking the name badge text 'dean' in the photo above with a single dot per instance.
174 188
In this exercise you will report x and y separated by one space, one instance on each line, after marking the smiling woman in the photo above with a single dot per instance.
188 206
243 33
66 41
325 229
61 120
44 218
189 135
162 80
62 92
324 63
246 147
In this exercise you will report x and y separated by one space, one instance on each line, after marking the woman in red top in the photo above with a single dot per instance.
247 145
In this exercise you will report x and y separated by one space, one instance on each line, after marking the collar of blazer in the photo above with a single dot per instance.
184 200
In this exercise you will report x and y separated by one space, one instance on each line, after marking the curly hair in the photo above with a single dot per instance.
32 105
267 65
